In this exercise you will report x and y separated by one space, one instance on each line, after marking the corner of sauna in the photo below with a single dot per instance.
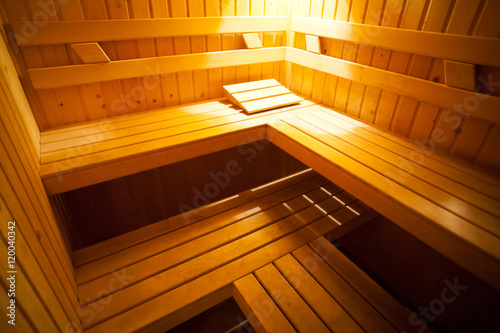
410 270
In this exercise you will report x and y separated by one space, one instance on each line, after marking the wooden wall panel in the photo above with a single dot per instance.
417 274
108 209
98 100
45 282
469 139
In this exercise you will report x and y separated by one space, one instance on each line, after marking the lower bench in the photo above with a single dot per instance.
155 280
317 289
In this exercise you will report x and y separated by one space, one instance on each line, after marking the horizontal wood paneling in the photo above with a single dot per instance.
113 30
98 100
423 90
470 49
441 128
57 77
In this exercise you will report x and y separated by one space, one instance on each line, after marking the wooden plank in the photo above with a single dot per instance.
116 244
450 243
163 313
419 89
154 141
201 266
251 297
252 41
293 306
46 78
252 85
95 277
330 312
394 312
475 50
460 172
438 178
260 93
123 29
270 103
90 52
177 237
460 75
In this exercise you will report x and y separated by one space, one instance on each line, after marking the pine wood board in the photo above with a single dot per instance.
260 95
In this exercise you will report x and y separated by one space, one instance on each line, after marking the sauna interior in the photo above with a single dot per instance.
137 197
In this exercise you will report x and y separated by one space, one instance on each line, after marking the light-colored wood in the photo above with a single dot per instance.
252 41
423 90
119 243
260 98
460 75
45 295
476 50
289 301
250 295
270 103
208 277
113 30
46 78
379 299
317 298
313 44
216 223
90 53
324 159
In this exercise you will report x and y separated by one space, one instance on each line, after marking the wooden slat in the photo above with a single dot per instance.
404 207
163 313
119 243
90 52
452 175
129 256
476 50
289 301
423 187
55 77
270 103
419 89
223 257
257 225
113 30
330 312
375 295
249 294
193 134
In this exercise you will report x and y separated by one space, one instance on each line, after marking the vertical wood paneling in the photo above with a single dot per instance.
416 273
108 209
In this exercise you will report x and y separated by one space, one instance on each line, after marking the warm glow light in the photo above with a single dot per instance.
281 179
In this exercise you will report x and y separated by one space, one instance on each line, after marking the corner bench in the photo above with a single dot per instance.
317 289
75 156
187 264
450 205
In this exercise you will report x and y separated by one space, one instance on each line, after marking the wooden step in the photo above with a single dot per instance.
170 278
317 289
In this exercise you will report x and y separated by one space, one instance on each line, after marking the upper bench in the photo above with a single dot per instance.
451 205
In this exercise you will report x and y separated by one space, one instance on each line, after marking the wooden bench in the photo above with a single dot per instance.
452 206
317 289
76 156
157 277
